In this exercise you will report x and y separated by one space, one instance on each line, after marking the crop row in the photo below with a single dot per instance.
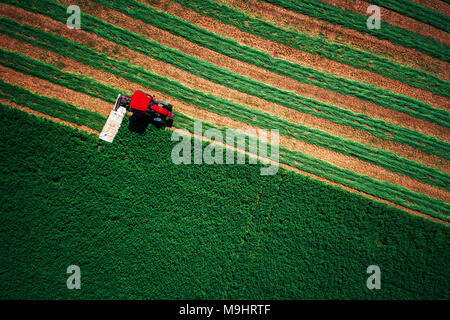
376 127
318 45
224 77
348 19
50 106
233 49
82 84
417 12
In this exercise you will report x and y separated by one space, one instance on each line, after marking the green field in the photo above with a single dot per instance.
141 227
364 154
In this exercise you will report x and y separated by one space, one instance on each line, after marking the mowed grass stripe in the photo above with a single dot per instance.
51 106
233 49
155 50
348 19
217 105
417 12
317 45
379 128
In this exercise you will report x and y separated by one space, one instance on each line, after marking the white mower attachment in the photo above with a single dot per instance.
113 123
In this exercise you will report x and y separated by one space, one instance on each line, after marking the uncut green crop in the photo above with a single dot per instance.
224 77
141 227
137 74
348 19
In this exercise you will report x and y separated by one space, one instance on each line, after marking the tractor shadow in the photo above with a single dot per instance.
140 123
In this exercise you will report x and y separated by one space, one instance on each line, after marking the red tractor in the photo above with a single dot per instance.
143 104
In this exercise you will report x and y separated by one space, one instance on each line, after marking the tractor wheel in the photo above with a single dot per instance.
159 123
169 122
167 105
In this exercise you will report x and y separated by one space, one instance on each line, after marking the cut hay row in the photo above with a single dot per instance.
9 104
189 65
306 75
51 106
335 33
324 11
275 50
317 46
396 19
376 127
249 71
361 7
441 6
380 96
54 74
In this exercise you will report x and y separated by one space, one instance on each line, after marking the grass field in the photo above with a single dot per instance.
363 117
193 231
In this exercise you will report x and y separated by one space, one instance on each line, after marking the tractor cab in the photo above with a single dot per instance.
141 102
143 106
